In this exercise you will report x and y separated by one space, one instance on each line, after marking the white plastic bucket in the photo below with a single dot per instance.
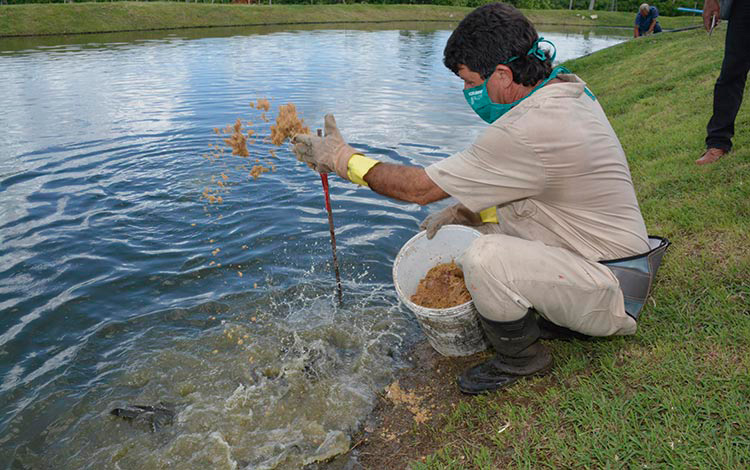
451 331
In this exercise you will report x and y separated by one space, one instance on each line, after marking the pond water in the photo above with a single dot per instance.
120 285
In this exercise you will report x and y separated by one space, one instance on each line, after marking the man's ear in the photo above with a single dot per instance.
504 74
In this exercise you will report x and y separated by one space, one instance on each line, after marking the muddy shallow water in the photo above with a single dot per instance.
119 285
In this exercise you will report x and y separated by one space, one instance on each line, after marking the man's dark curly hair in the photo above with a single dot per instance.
492 34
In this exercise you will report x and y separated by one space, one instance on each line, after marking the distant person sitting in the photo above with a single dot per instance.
645 21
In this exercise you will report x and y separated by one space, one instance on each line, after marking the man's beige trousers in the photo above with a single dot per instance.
507 275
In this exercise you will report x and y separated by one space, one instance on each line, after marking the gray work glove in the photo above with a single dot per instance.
456 214
324 154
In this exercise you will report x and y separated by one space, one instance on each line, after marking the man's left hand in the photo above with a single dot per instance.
455 214
324 154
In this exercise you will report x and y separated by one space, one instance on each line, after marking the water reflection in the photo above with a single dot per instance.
111 286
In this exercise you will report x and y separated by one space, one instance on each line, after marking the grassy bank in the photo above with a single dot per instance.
76 18
675 395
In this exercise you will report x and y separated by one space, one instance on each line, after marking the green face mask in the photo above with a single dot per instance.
479 99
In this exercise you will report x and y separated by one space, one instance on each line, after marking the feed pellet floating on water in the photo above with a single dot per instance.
262 105
237 140
238 143
257 170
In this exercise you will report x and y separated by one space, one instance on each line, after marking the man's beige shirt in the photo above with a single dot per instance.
557 172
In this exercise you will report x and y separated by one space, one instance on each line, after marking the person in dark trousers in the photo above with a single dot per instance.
646 22
730 85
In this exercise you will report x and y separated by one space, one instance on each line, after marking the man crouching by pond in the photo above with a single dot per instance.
646 21
547 183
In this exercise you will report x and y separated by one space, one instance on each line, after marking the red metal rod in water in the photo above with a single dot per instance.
324 180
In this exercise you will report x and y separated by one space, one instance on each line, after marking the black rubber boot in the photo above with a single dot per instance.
517 354
549 330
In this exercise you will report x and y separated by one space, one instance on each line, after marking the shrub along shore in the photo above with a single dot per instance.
83 18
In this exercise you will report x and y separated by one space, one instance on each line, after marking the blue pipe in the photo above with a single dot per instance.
691 10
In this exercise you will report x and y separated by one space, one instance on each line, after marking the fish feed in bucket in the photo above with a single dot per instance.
453 331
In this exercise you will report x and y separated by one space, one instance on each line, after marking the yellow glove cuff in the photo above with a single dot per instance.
489 215
358 167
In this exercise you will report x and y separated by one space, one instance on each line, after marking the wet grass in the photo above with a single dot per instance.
676 393
76 18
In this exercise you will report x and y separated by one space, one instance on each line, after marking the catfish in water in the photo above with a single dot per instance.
151 416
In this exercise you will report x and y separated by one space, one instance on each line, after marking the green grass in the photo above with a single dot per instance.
675 395
75 18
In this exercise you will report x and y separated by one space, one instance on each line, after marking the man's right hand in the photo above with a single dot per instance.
456 214
324 154
710 10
